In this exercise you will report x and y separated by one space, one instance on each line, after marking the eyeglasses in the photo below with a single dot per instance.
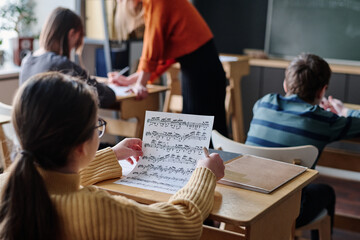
101 126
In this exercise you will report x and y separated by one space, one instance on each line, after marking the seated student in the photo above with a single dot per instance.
62 32
55 118
300 119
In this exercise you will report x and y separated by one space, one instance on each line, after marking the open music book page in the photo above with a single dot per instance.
172 144
259 174
120 91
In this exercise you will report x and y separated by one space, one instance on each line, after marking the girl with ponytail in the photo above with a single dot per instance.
46 194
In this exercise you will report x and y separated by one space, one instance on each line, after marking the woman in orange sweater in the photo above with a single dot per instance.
55 118
175 31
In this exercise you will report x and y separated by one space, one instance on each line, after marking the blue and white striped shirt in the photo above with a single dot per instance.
289 121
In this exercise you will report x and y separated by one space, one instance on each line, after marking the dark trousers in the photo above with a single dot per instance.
203 83
314 198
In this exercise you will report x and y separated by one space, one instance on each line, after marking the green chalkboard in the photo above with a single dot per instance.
328 28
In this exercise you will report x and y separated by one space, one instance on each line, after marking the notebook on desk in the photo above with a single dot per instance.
259 174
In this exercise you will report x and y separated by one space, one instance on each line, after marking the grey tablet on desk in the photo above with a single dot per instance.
226 156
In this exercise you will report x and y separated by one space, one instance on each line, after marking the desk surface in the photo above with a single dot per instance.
232 205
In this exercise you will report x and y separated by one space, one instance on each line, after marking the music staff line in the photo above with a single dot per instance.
177 123
177 147
176 136
171 158
166 169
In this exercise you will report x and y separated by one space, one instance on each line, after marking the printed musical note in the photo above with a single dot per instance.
177 123
176 136
172 144
171 158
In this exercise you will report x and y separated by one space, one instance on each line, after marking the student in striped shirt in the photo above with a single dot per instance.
302 117
299 117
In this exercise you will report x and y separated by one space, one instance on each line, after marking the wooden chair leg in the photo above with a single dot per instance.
324 230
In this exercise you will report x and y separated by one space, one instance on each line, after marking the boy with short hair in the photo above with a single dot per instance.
299 118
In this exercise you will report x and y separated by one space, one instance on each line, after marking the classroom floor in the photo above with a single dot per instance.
347 202
338 234
345 235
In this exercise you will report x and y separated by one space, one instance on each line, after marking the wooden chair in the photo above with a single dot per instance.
8 139
173 97
301 155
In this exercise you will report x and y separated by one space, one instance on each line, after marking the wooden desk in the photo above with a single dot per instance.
129 107
281 63
4 150
256 215
235 70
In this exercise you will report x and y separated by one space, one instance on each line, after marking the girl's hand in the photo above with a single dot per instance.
127 148
215 164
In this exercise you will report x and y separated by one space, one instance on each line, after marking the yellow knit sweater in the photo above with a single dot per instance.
90 213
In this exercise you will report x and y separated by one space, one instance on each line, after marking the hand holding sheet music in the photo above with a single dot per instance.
172 144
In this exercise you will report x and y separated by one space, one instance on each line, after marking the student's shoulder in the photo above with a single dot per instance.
65 65
270 97
58 59
320 112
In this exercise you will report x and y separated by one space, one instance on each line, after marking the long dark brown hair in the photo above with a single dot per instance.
54 34
52 115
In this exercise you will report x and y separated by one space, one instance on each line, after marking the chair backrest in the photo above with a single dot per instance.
302 155
9 141
5 109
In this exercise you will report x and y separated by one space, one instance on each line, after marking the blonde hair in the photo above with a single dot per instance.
128 17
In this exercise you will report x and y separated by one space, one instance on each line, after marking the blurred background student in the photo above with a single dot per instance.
175 32
62 33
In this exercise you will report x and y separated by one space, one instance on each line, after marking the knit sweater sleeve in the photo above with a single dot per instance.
104 166
94 214
182 216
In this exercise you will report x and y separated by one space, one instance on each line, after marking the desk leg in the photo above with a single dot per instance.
278 223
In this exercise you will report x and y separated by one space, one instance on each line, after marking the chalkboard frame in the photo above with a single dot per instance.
268 50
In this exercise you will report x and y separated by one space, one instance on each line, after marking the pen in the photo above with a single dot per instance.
206 152
122 71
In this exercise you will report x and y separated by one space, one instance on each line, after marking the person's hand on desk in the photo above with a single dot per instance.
122 80
140 86
140 91
127 148
214 163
